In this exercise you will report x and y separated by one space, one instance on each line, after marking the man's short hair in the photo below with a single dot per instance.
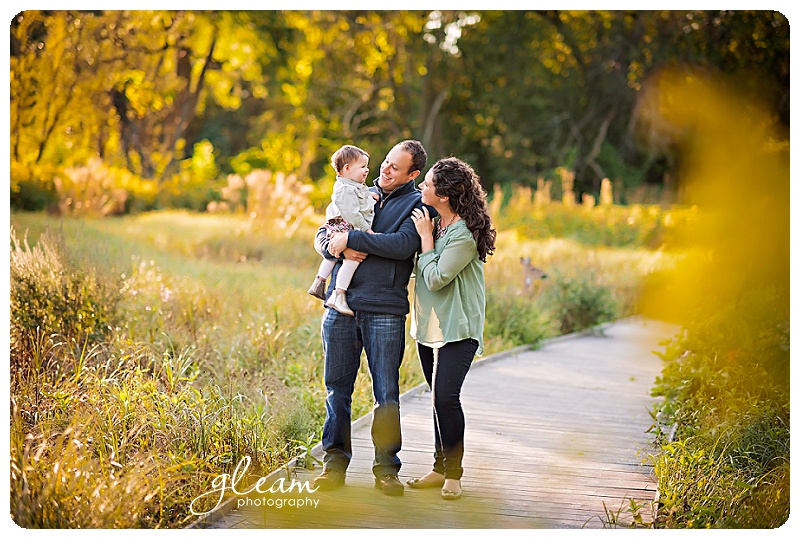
344 155
418 154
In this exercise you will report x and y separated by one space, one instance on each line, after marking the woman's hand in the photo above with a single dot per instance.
423 221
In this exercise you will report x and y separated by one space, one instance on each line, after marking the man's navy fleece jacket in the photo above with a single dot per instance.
380 284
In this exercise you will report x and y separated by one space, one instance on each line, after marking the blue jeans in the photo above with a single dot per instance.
382 336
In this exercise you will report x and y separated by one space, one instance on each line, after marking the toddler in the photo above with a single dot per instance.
351 208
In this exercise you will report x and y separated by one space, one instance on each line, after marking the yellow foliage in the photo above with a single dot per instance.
740 183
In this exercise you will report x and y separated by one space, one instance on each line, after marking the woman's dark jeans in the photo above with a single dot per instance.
445 375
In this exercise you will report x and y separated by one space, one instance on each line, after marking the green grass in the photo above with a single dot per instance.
171 345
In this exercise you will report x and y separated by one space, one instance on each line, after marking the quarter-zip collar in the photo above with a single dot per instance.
402 190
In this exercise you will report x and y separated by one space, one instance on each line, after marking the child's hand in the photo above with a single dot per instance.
369 231
376 196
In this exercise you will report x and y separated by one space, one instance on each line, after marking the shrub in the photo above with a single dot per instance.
99 190
181 191
725 389
278 201
517 319
32 187
582 302
193 186
48 297
273 201
33 196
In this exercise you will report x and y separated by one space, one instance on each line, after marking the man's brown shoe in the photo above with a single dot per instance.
389 484
329 479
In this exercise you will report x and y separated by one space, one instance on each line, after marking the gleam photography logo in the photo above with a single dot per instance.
229 482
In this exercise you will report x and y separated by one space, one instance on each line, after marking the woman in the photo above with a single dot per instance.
449 305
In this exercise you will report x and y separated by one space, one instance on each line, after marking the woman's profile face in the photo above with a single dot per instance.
428 190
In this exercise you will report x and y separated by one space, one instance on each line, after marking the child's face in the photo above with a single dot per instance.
357 170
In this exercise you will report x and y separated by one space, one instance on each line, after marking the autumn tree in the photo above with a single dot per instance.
124 85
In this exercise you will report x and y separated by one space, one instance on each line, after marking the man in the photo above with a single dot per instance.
378 296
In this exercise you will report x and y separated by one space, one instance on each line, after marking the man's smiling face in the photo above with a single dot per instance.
395 170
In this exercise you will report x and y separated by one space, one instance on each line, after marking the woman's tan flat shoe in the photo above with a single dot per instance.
421 482
450 494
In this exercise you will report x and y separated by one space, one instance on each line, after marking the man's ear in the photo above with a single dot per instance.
414 175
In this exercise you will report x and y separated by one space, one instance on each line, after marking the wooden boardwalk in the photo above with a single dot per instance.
552 441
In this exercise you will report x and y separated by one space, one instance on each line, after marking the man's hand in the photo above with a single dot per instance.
352 254
337 243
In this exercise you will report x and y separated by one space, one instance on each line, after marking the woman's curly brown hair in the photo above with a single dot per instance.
455 179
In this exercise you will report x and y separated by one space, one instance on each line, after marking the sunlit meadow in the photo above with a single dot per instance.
152 352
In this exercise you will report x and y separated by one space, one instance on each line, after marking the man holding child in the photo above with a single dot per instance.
378 297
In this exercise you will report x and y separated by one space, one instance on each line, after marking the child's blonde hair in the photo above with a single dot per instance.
346 154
